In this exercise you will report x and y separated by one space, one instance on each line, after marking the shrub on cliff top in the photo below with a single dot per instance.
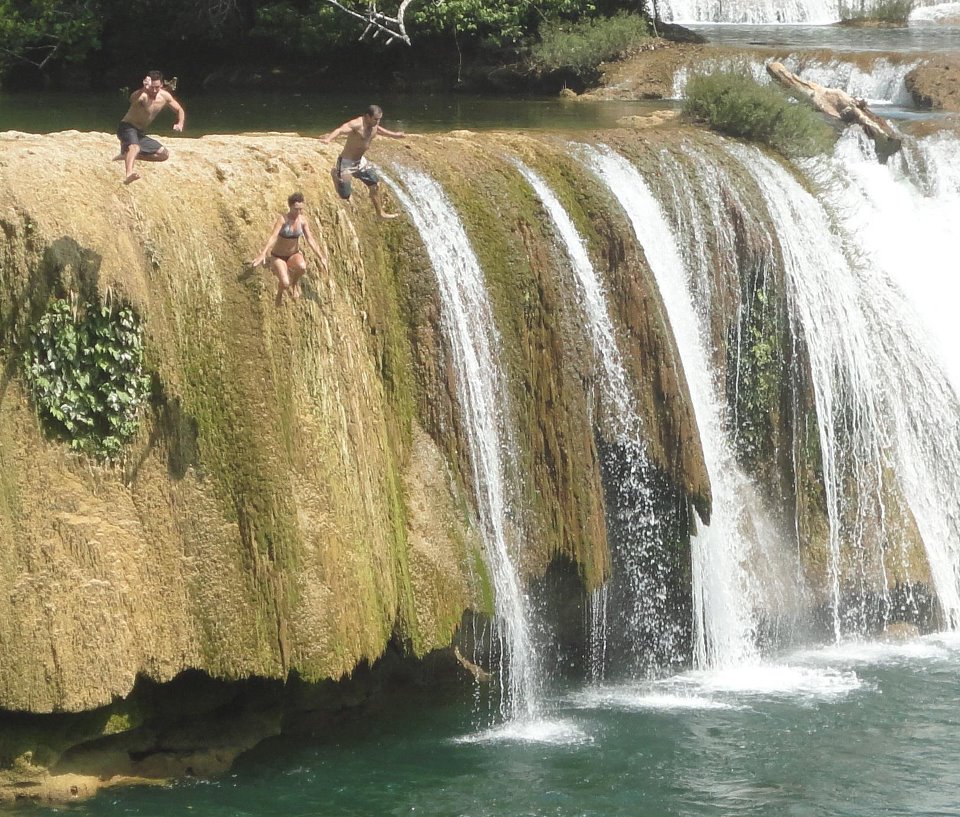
579 48
890 12
738 105
84 367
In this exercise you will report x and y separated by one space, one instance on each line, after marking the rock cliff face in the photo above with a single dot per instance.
297 495
298 503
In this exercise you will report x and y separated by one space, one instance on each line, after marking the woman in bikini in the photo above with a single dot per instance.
283 249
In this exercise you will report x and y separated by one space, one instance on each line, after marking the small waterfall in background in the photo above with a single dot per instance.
638 588
482 394
888 419
725 596
883 84
814 12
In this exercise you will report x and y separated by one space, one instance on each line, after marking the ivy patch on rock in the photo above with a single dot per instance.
84 367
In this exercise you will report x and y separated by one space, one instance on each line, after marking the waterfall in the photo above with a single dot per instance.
886 411
809 12
482 394
815 12
883 84
725 596
641 593
902 218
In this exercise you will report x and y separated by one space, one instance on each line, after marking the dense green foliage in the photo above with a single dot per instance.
580 47
40 31
884 11
84 367
496 22
111 43
737 105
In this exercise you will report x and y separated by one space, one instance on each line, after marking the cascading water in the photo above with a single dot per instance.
814 12
887 416
731 273
811 12
917 195
902 216
481 386
640 593
725 597
883 84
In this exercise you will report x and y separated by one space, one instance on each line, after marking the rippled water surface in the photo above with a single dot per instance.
314 114
860 730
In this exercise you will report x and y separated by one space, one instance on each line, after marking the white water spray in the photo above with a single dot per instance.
885 409
724 595
902 220
655 634
482 394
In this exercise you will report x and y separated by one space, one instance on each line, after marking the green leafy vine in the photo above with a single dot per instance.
84 367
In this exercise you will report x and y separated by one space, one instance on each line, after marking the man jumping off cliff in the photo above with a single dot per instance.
352 163
145 104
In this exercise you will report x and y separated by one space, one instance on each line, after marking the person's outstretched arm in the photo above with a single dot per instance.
393 134
260 259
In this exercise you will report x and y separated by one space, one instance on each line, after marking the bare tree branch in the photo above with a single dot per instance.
379 23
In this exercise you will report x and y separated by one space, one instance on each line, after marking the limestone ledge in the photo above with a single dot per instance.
299 493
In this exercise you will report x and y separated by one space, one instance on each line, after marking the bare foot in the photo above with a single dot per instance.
117 158
131 178
388 216
295 292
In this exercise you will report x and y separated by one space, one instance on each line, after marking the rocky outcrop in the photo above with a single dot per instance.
935 83
297 497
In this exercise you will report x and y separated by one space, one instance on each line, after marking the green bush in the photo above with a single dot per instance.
580 47
737 105
895 12
84 367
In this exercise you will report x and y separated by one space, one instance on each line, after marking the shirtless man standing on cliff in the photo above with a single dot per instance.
352 163
145 104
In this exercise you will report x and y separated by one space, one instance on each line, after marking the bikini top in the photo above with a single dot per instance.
287 231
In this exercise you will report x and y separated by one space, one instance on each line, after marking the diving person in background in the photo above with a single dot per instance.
352 163
145 104
283 246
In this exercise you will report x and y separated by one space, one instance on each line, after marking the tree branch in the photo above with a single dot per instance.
378 22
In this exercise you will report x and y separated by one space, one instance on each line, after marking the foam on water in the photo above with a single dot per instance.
532 730
775 681
873 653
949 640
635 697
728 689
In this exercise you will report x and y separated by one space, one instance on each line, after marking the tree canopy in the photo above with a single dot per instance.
99 39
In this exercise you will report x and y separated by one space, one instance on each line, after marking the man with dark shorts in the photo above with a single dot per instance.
145 104
352 164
